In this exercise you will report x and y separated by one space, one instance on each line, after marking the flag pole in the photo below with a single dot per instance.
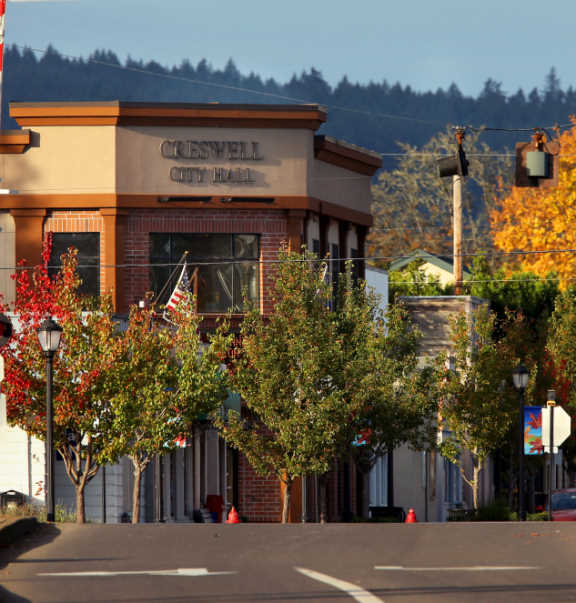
180 262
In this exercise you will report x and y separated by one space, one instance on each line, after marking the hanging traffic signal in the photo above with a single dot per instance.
537 162
453 166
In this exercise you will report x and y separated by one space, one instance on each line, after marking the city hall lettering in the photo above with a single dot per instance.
211 150
217 175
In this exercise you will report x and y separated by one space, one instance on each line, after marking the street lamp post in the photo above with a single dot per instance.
49 333
520 377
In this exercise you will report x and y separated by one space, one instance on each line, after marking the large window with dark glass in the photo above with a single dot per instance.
227 267
88 246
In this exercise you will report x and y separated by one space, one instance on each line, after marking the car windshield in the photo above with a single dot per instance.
563 500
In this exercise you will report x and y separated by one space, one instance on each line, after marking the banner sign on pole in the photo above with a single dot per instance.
533 430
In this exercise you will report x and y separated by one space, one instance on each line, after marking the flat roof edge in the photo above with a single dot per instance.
116 112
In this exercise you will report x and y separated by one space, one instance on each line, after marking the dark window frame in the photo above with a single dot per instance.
88 262
221 276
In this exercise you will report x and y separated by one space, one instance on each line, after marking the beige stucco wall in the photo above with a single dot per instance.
63 159
340 186
281 171
128 160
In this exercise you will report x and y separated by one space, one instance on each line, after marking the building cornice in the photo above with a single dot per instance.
14 142
119 113
111 201
346 155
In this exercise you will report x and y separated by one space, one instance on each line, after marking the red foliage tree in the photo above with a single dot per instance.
88 348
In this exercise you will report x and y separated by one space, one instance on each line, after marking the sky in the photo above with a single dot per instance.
424 44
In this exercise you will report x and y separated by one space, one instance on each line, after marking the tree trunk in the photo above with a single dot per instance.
80 471
136 493
80 509
287 499
478 465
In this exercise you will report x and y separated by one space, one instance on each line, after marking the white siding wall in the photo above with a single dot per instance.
379 482
21 461
65 496
7 257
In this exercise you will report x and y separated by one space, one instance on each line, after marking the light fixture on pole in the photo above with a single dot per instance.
520 376
49 333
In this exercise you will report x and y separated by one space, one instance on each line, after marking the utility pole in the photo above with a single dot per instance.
457 217
457 167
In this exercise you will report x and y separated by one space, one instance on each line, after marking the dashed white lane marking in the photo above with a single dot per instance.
350 589
191 571
455 568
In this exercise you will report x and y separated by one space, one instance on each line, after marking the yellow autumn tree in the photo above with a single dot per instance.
542 220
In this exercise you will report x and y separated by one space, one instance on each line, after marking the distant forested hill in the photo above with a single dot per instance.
373 115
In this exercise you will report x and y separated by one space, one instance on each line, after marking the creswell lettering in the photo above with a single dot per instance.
203 150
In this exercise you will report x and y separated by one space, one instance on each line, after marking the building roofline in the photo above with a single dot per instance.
426 256
346 155
120 113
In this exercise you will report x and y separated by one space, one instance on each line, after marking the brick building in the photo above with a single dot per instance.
134 185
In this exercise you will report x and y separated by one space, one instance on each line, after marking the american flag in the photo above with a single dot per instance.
180 291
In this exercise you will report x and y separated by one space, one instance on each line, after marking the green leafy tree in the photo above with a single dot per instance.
401 397
81 368
317 373
413 281
478 404
516 291
561 347
523 303
164 380
285 370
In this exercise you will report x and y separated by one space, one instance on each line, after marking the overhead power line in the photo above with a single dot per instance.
230 262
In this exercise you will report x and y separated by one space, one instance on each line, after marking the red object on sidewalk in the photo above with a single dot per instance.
411 517
233 516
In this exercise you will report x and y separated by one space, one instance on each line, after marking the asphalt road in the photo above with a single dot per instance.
481 562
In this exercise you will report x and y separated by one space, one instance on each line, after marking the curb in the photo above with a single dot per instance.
17 529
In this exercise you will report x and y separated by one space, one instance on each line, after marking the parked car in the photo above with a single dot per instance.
564 505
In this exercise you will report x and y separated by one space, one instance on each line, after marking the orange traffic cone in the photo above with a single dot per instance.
411 517
233 516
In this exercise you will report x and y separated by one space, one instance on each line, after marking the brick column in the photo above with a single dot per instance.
113 275
295 229
29 225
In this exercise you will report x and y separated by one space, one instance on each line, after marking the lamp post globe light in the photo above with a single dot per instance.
49 333
520 376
